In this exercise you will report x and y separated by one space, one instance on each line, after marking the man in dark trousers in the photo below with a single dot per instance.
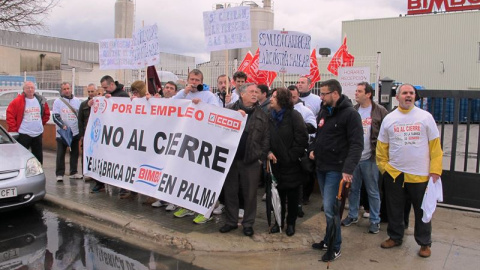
245 171
337 150
27 114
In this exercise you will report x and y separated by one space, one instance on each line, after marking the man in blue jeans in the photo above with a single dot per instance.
337 150
366 172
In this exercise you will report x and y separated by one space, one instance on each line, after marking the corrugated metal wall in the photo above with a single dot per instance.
438 51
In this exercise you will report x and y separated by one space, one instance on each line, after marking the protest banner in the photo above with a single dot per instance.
227 28
146 47
284 51
349 77
169 149
115 54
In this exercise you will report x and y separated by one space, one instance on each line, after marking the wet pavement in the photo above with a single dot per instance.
456 234
39 238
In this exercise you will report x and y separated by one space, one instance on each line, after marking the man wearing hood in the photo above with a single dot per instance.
65 115
337 150
112 87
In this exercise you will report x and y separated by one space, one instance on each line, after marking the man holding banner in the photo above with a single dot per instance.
194 91
244 174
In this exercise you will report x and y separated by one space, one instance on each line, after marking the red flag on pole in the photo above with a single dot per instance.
249 65
314 75
246 62
341 59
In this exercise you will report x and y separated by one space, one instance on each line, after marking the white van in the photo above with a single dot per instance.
7 96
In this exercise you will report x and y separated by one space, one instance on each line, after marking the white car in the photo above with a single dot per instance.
22 181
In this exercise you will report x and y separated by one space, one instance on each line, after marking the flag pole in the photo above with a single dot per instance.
377 76
226 72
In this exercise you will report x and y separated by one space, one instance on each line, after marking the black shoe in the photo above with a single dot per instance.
330 256
275 229
300 212
321 246
248 231
290 230
226 228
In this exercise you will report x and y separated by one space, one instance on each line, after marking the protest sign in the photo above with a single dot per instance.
227 28
146 47
116 53
284 51
169 149
349 77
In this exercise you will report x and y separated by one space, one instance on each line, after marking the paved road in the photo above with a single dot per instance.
456 234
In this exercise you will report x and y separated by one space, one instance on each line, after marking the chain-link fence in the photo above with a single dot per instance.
52 79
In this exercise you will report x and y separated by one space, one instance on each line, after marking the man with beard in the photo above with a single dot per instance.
223 97
337 150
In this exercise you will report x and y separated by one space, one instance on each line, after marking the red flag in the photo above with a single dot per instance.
314 75
249 65
246 62
341 59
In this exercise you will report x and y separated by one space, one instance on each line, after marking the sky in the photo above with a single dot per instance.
180 22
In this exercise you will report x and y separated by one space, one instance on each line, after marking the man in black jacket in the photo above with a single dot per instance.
83 115
337 150
245 171
112 87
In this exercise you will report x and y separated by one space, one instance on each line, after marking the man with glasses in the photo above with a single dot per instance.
337 149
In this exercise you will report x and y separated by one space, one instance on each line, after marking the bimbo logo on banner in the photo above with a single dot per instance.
429 6
224 121
149 175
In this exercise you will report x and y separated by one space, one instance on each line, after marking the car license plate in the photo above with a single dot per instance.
8 192
9 254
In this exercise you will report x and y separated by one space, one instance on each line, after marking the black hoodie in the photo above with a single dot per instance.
338 144
119 91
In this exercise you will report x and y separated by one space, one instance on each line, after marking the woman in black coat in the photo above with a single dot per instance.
288 140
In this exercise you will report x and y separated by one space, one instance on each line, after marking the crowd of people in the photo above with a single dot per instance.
362 144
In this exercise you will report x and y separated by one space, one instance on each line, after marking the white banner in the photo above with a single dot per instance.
349 77
284 51
169 149
146 47
116 54
227 28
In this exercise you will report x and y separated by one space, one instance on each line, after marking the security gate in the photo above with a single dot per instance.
457 113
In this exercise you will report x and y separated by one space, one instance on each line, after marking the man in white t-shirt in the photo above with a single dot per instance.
65 114
27 114
312 101
366 172
408 154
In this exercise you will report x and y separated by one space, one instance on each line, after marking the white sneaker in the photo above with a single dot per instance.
219 209
59 178
366 215
240 213
171 207
157 204
76 176
264 198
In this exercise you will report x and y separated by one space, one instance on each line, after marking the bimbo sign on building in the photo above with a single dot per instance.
429 6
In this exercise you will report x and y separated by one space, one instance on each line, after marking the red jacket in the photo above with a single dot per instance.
16 108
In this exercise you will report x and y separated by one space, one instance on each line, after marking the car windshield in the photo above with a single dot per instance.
4 138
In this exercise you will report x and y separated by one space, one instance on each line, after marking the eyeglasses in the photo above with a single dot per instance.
324 94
